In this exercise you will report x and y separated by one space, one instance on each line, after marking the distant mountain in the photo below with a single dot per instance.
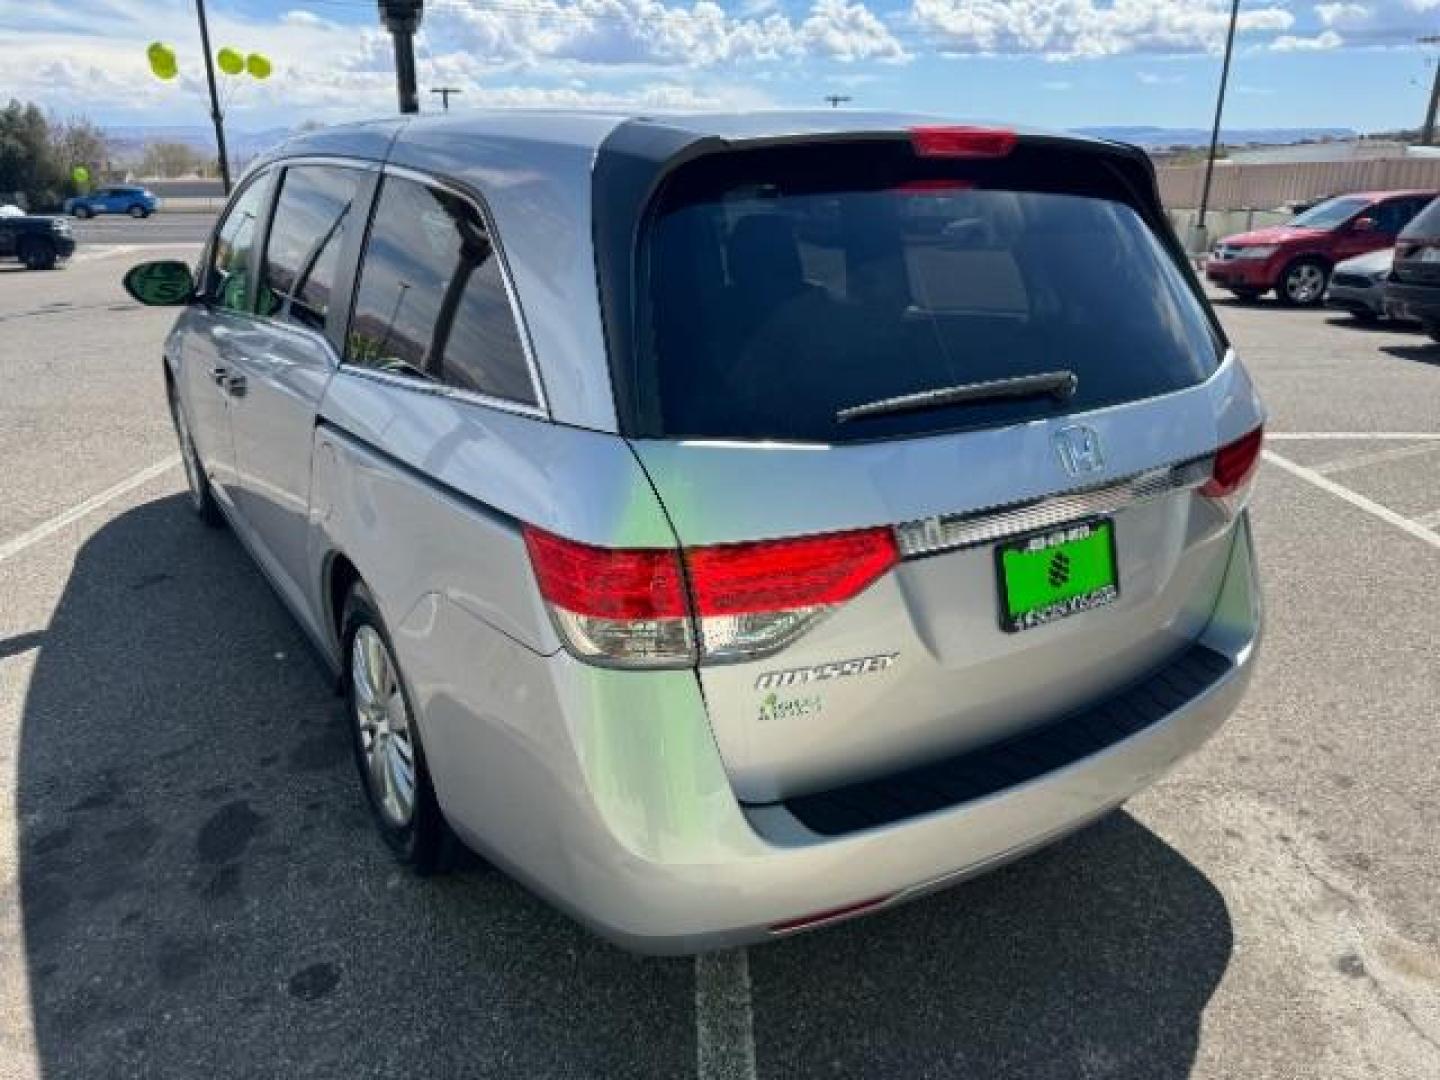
130 140
1162 136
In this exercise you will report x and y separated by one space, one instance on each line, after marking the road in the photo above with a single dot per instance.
159 228
189 885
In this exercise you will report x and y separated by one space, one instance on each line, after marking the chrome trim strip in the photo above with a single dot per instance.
362 164
426 386
932 535
537 384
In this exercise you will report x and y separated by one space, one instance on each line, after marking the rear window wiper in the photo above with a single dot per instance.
1057 384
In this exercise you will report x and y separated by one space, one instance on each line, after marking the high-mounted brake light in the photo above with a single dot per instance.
1233 470
630 607
962 142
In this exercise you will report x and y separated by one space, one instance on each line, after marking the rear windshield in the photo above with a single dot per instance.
780 287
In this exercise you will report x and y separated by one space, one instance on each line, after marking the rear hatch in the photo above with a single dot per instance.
882 575
1417 250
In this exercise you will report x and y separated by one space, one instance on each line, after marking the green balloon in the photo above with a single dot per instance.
80 174
230 61
258 66
162 60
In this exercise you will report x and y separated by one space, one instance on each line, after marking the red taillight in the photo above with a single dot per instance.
778 575
630 606
1235 464
607 583
962 142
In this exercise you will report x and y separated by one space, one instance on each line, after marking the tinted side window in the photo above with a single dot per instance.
316 206
431 302
228 281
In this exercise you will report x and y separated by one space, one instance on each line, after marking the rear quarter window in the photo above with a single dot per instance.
431 302
780 287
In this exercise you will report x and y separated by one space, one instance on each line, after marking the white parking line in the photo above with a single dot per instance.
1381 436
1430 520
10 548
1354 498
1377 457
103 251
724 1026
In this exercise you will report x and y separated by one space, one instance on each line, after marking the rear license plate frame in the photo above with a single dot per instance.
1052 539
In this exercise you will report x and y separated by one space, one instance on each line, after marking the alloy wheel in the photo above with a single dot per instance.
1305 283
383 719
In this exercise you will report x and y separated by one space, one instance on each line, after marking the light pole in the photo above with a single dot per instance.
402 19
445 92
215 113
1215 129
1427 133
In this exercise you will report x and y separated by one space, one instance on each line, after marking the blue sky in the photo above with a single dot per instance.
1057 63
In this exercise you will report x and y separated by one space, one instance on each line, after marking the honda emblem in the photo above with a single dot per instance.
1078 448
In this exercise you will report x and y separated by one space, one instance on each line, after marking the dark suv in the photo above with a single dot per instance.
37 241
1413 291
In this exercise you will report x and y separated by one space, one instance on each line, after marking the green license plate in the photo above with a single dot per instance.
1046 576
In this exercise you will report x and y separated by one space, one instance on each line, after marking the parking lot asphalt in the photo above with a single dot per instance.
189 885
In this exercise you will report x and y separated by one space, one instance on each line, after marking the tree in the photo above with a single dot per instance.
77 141
28 169
165 159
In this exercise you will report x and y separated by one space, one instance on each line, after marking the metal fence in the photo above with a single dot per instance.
1241 187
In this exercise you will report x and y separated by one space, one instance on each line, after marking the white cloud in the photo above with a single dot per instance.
1327 39
1342 14
1065 29
1151 78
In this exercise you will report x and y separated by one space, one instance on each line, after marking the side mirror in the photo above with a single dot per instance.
164 283
1363 224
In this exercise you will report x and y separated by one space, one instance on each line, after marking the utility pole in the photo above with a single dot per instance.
445 92
402 19
1427 133
215 113
836 100
1219 109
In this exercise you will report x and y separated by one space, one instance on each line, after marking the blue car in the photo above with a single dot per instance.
114 199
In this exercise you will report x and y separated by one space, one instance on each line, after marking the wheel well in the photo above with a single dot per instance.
342 576
1313 256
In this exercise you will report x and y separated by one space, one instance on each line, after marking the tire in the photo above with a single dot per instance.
202 499
37 254
1433 331
1302 283
138 212
83 212
1247 296
413 828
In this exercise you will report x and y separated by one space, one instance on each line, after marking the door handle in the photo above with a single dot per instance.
230 383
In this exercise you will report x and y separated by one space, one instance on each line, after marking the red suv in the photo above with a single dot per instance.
1295 259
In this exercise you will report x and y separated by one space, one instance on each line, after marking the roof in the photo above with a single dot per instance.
587 129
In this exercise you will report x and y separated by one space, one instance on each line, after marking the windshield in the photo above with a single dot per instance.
779 297
1329 214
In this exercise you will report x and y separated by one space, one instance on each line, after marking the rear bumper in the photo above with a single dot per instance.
1420 303
607 795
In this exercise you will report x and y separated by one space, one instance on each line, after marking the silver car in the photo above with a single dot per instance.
728 525
1358 285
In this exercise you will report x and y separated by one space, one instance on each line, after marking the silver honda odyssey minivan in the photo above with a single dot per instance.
728 524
